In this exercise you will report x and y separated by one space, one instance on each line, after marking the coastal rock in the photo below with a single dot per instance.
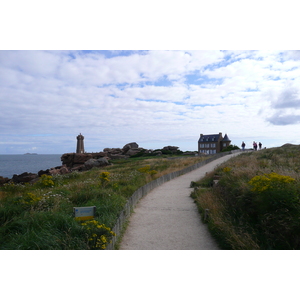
134 151
113 150
61 170
24 177
96 163
64 170
54 172
129 146
74 159
43 172
4 180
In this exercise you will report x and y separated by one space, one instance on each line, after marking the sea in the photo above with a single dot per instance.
11 164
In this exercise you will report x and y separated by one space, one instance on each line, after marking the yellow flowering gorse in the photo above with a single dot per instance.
273 180
226 170
147 170
98 235
104 177
30 199
46 180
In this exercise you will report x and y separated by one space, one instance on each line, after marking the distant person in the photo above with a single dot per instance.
243 146
255 146
260 144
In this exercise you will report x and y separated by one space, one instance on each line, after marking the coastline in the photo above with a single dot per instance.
11 164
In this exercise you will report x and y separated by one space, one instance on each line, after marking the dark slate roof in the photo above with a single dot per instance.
209 138
226 139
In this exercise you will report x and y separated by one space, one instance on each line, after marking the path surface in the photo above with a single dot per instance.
168 219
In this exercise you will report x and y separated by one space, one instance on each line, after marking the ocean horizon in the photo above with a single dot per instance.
11 164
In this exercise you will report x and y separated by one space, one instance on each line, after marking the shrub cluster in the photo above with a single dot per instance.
147 169
98 235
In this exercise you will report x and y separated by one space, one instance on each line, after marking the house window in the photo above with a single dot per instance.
206 145
224 145
213 145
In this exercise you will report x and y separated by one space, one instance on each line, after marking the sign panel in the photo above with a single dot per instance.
84 213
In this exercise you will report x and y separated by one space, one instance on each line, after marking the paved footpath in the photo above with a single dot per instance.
168 219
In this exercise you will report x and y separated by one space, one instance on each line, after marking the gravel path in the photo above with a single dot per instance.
168 219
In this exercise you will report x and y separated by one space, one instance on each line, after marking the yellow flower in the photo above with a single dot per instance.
268 181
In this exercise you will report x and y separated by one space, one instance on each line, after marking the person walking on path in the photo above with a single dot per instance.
168 219
260 144
243 146
255 146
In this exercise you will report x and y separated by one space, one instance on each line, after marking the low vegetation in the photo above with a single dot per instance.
40 215
253 200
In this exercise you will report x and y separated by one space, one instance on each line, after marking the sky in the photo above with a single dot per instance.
157 74
155 98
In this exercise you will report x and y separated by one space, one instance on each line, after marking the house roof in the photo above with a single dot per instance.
226 139
209 138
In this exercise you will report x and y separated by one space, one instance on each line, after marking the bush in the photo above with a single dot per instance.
46 181
98 235
230 148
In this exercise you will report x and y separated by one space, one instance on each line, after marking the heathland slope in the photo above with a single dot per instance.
256 201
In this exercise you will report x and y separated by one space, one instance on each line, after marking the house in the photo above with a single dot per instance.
212 143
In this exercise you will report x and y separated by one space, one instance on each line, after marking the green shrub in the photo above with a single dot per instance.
46 181
98 235
230 148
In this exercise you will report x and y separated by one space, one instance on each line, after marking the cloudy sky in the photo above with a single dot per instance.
155 98
158 96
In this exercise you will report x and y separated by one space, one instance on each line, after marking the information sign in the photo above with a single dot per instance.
84 213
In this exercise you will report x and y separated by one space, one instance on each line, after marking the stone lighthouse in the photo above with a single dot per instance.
80 146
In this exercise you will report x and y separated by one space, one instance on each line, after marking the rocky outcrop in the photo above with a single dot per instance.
72 160
86 161
130 146
24 177
96 163
128 150
59 170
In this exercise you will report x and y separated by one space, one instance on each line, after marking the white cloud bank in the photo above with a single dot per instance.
155 98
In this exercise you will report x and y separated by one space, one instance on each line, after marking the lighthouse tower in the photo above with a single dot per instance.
80 146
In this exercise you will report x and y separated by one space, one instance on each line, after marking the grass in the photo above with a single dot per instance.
40 215
256 202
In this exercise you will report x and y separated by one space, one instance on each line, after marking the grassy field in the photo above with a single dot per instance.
40 215
255 202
